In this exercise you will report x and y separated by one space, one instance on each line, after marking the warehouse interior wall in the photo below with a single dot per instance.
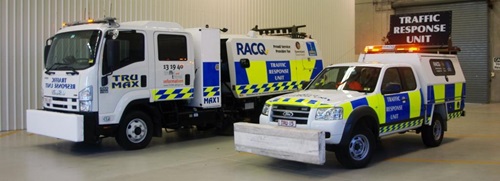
372 22
494 14
26 24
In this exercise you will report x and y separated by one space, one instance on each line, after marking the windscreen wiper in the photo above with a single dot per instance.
48 71
73 71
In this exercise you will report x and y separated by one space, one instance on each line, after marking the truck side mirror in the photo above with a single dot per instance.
46 53
112 53
46 50
391 88
245 63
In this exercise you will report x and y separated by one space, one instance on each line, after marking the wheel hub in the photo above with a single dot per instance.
359 147
437 129
136 130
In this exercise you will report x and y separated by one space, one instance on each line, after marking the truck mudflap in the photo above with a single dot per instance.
301 145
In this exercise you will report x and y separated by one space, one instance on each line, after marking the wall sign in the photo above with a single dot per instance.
496 63
433 28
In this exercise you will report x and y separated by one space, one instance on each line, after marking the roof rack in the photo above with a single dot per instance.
292 31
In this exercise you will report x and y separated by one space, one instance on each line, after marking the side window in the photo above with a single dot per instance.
391 79
131 50
442 67
172 47
409 82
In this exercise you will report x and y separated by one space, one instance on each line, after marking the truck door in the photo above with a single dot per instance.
129 73
174 67
402 96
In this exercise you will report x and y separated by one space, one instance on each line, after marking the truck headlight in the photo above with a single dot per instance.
85 98
334 113
265 109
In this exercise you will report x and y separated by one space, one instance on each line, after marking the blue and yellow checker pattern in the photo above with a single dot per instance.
298 102
452 95
211 91
400 126
268 87
172 94
270 76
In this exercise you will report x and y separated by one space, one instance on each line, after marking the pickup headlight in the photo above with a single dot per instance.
334 113
265 109
85 98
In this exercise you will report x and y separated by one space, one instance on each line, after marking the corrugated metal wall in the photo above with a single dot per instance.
470 33
25 24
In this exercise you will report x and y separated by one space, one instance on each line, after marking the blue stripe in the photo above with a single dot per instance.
318 66
299 100
217 93
211 74
163 97
463 91
430 94
286 99
177 91
359 102
312 102
241 74
422 103
449 92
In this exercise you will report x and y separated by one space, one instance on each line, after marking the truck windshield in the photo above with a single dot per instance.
357 78
73 50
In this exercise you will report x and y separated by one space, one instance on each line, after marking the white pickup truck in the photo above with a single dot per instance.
347 107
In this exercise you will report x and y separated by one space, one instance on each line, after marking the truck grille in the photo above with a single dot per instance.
297 113
61 103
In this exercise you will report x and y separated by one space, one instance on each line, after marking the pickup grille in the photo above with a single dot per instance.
61 103
297 113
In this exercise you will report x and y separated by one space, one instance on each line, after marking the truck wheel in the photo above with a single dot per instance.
358 152
432 135
135 131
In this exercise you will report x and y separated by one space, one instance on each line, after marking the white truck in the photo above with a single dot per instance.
348 107
130 80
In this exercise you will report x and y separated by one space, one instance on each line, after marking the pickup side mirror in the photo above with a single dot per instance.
245 63
391 88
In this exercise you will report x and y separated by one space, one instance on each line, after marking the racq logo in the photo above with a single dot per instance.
251 48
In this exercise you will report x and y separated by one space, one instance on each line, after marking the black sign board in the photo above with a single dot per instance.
433 28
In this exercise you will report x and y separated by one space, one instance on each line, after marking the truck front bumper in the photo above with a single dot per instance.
62 125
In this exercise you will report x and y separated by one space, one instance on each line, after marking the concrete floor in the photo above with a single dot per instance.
470 151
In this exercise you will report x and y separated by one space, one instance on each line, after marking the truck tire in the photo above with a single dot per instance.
432 135
358 152
135 131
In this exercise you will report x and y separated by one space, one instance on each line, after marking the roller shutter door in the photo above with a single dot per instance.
470 33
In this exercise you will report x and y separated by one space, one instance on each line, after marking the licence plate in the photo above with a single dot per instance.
286 123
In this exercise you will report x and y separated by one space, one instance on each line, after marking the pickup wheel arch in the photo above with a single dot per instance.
364 116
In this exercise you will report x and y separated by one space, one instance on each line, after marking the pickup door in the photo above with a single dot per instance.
402 97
